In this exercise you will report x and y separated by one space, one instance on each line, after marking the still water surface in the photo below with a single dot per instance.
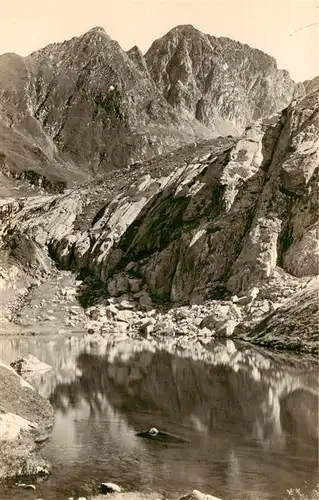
250 417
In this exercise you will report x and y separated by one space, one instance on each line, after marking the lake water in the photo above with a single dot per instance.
251 417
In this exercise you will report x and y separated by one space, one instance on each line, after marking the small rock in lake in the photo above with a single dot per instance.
197 495
110 488
26 486
157 435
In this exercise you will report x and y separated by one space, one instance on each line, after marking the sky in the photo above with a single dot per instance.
285 29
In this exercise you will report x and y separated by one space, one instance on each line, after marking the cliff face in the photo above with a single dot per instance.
222 215
77 108
221 82
226 218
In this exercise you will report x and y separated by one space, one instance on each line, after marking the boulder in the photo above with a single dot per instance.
135 285
165 327
292 325
96 313
220 315
126 316
110 488
161 436
28 364
197 495
227 329
111 311
147 326
120 326
94 327
127 304
118 285
145 301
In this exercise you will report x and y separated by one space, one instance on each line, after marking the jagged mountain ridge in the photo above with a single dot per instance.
77 95
217 78
79 107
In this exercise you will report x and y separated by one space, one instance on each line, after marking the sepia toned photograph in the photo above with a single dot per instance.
159 249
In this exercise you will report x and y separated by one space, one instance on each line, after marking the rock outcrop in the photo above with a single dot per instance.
293 325
230 218
28 365
26 420
205 222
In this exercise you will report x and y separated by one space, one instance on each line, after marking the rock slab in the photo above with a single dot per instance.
25 420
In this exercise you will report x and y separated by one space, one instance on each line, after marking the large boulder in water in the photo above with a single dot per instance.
28 364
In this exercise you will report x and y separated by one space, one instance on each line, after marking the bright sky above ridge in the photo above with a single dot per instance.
285 29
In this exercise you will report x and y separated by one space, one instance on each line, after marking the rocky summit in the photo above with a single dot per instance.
74 109
172 194
222 83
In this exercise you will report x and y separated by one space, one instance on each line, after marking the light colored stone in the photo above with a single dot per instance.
197 495
125 316
11 425
110 488
220 315
227 329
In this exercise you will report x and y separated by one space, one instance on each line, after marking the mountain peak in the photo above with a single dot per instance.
185 31
184 27
99 30
188 85
96 32
212 78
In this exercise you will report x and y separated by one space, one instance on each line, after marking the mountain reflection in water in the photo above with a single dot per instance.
250 416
